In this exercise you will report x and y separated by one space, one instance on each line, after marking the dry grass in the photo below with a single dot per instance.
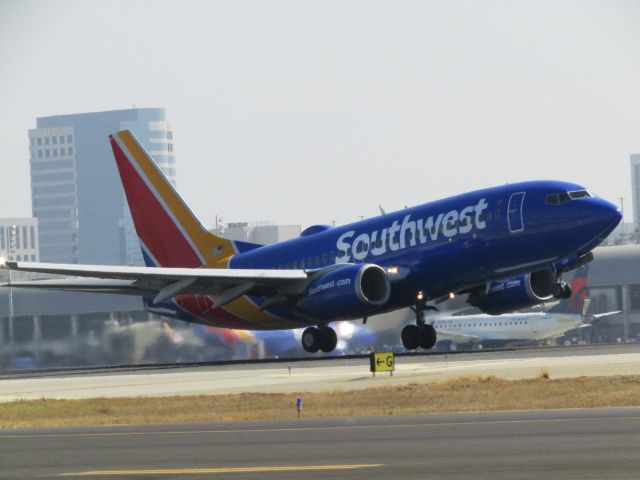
465 394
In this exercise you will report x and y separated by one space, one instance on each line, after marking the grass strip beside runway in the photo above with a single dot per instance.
466 394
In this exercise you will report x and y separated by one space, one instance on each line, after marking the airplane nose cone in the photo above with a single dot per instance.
604 215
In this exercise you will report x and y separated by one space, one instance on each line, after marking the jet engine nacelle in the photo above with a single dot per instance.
346 291
514 293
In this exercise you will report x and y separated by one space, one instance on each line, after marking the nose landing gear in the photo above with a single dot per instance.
414 336
561 289
421 334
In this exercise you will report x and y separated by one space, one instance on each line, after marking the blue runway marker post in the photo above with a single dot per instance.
299 406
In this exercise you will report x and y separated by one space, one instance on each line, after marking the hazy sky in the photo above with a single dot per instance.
308 112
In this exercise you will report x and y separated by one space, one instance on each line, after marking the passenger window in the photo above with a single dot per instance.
324 258
302 263
332 257
317 260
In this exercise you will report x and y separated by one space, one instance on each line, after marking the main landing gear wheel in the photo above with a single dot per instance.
311 339
324 338
561 290
328 339
414 336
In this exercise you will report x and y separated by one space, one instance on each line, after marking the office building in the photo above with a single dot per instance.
262 233
635 188
76 192
19 239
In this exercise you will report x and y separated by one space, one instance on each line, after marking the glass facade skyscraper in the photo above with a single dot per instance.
76 192
635 188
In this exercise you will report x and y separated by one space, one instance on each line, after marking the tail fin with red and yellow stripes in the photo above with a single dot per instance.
170 234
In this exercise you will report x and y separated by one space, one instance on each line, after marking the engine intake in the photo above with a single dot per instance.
346 291
514 293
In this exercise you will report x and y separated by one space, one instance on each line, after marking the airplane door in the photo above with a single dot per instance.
515 212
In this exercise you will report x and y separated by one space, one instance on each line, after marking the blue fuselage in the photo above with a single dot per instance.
451 244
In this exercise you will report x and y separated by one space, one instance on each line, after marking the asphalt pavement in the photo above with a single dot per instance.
321 375
558 444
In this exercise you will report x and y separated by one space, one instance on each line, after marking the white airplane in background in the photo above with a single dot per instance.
522 327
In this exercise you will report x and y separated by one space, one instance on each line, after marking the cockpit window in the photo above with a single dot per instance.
579 194
563 197
557 198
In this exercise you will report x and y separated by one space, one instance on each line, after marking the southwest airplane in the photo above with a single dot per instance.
522 327
478 243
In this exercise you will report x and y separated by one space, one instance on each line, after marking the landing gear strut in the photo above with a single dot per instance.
421 334
323 338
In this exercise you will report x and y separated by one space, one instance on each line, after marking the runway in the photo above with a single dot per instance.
562 444
323 375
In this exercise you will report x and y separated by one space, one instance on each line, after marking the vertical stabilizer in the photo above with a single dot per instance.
170 234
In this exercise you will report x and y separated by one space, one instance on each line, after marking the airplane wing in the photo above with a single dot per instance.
229 284
459 337
91 285
598 316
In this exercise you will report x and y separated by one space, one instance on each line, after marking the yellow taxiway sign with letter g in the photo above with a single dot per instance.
382 362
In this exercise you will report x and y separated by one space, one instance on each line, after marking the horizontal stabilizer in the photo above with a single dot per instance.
598 316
